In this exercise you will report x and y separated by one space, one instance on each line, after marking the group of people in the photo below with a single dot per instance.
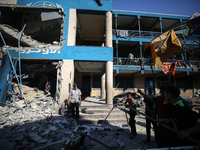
172 118
168 108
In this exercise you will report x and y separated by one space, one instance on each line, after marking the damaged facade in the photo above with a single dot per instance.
65 41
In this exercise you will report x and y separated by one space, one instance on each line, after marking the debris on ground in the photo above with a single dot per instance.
39 126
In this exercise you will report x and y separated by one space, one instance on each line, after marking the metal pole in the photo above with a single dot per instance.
19 54
20 84
12 64
160 19
168 127
139 27
117 53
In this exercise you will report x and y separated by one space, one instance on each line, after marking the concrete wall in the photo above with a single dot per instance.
65 80
95 92
8 1
72 27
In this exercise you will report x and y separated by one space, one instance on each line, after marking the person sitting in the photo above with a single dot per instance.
48 86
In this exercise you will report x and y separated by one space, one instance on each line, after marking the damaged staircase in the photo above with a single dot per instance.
97 115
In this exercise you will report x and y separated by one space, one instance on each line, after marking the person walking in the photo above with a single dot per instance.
131 104
150 112
74 100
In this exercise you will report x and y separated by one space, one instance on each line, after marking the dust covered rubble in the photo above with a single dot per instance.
24 127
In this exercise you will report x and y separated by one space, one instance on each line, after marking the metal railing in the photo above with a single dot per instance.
135 34
130 61
124 61
145 34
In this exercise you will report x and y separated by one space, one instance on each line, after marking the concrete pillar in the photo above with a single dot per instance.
66 70
103 85
109 82
109 64
141 50
108 29
71 40
65 80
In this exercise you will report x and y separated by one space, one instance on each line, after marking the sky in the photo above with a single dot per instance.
176 7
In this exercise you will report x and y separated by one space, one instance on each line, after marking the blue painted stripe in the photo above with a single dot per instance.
147 68
146 14
67 52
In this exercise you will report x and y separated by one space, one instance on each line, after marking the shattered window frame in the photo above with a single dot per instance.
19 20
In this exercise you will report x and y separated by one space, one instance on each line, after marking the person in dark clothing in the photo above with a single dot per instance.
185 121
165 136
131 104
48 86
151 113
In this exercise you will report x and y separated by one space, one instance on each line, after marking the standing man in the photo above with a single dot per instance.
75 100
150 112
131 104
165 136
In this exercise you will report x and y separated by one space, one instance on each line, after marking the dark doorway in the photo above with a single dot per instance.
86 86
149 82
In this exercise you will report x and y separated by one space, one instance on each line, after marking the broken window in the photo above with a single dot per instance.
43 25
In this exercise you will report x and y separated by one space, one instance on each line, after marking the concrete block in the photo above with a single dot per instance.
57 121
35 137
46 132
52 128
20 104
33 105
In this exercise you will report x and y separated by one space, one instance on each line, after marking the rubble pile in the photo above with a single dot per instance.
30 127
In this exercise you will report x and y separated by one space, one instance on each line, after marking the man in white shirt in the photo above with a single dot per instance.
75 100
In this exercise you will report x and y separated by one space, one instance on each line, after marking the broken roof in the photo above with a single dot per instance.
16 7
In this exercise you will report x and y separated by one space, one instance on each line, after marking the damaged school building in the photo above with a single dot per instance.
86 42
105 52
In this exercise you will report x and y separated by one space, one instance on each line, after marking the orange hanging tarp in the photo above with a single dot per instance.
170 68
163 47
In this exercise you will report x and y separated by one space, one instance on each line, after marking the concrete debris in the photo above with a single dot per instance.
26 41
10 31
35 126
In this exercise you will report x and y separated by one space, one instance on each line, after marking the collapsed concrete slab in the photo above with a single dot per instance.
14 34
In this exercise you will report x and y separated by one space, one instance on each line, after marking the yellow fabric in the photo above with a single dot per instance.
163 47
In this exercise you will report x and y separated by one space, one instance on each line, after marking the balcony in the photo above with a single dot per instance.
134 62
135 34
150 35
